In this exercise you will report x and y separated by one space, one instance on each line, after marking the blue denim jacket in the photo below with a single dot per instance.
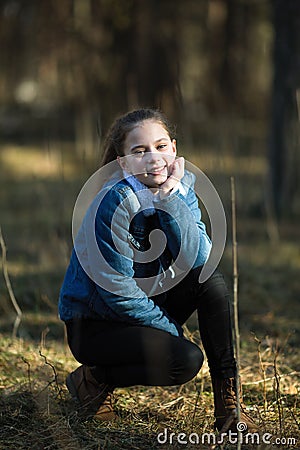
116 270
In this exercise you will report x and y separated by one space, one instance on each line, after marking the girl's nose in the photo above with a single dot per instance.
153 155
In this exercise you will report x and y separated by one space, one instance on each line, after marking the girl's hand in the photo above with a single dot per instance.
176 173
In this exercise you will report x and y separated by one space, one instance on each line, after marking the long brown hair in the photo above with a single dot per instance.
116 135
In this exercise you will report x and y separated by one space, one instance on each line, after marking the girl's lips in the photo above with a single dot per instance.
157 171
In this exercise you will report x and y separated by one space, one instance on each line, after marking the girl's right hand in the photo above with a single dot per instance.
176 174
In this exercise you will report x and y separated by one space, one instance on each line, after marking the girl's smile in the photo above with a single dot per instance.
156 171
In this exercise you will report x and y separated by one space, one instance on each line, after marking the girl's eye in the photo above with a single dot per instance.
139 152
161 146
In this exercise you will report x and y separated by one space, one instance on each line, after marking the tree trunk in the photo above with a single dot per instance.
284 129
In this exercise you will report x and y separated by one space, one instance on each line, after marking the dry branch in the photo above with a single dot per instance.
9 287
235 299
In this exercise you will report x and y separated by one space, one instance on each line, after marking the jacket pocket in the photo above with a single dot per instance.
93 299
98 306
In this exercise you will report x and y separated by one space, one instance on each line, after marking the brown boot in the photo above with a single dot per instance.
95 398
225 400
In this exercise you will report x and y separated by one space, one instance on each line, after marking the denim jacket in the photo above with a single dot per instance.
119 268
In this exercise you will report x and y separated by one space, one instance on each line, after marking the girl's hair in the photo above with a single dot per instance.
116 135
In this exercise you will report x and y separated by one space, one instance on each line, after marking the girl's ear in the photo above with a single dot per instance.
122 162
174 147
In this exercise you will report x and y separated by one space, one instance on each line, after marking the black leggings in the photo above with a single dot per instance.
122 354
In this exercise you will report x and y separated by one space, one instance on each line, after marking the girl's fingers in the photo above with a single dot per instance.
176 174
178 169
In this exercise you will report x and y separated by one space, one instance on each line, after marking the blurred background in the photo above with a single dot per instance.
227 72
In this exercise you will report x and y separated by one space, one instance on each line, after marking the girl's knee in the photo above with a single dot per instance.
189 363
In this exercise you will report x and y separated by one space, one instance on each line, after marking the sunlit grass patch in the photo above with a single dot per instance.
229 164
36 410
32 162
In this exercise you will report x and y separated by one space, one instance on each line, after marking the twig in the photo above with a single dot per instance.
263 371
43 338
52 367
28 372
54 372
235 302
282 376
9 288
295 419
195 407
172 403
278 393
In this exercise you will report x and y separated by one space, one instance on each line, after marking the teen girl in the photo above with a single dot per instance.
124 321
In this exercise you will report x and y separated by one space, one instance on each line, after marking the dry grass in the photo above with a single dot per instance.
36 411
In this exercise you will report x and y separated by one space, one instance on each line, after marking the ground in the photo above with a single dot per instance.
37 412
38 188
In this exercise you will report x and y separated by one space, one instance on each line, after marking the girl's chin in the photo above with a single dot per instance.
153 180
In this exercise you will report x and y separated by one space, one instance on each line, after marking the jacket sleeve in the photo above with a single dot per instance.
180 219
115 273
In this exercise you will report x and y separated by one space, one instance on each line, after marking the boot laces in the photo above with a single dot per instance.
229 394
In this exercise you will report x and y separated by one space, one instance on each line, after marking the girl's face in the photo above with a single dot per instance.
149 153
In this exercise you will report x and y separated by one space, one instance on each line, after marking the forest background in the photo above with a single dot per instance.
228 73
